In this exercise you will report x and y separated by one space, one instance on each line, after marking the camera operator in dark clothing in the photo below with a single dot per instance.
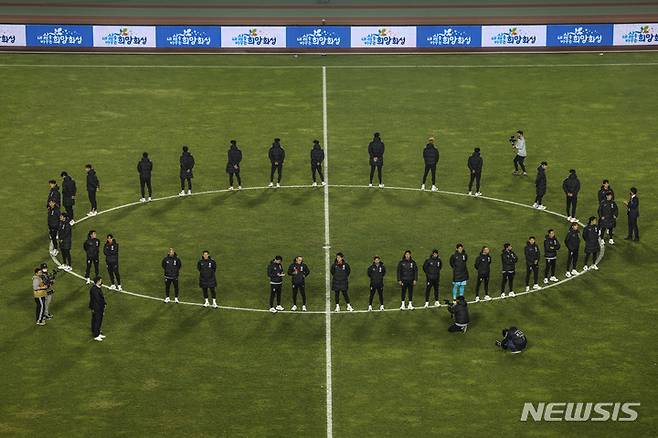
459 313
513 340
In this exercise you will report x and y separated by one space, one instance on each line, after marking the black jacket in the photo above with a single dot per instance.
277 154
317 155
432 268
571 184
207 269
298 273
483 265
608 212
376 150
93 183
591 238
53 195
111 251
340 274
273 271
572 241
532 254
186 165
430 155
460 312
171 266
407 270
633 209
376 274
144 167
509 259
458 265
53 217
65 234
540 181
69 191
551 247
602 193
514 340
233 161
475 163
96 299
92 248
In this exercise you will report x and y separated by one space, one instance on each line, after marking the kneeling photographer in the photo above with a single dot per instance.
514 340
459 312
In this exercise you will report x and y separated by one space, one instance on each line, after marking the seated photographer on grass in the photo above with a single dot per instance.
513 340
459 312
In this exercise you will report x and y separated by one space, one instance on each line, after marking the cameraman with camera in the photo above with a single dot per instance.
513 340
459 313
48 280
518 145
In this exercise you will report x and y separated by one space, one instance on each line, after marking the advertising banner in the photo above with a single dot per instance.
12 35
188 37
124 36
642 34
513 36
59 35
260 37
373 37
318 37
448 36
579 35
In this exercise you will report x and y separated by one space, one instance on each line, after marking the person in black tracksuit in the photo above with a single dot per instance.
317 157
340 274
65 235
551 247
605 188
186 173
572 242
513 340
376 153
92 248
275 274
93 186
432 269
298 272
459 271
144 168
475 169
234 155
592 246
111 251
532 255
509 259
431 158
540 185
277 156
53 194
376 273
97 306
407 278
171 266
571 187
483 266
633 212
207 268
53 224
608 212
459 313
69 191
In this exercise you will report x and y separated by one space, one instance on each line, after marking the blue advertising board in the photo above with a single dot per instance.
188 37
435 37
318 37
579 35
49 35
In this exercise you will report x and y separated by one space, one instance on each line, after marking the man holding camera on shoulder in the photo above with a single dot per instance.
459 313
518 146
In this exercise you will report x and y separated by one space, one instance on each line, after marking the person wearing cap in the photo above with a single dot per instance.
608 212
186 174
475 170
144 168
97 306
65 234
39 292
233 165
376 272
571 187
431 158
69 190
111 251
459 313
53 193
376 152
633 212
513 340
53 225
317 157
93 186
48 280
432 269
519 158
277 156
540 186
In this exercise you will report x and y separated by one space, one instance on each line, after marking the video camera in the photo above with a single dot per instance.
513 139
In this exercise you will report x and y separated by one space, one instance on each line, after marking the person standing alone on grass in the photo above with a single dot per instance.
275 274
171 265
69 191
276 155
144 168
233 165
407 278
483 266
111 251
92 248
475 169
186 174
592 245
432 269
207 268
532 255
551 247
540 186
633 211
298 272
97 306
518 145
431 158
572 242
608 212
376 273
65 236
39 292
340 273
459 271
509 259
93 186
571 187
53 193
376 152
53 225
317 157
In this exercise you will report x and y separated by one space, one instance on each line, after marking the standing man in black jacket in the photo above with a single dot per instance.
92 248
65 234
509 259
431 158
186 173
633 212
298 272
376 273
53 193
540 186
572 242
277 156
432 269
532 255
608 212
207 268
93 186
171 265
111 251
571 187
592 245
69 191
376 152
475 170
233 165
144 168
53 225
407 278
340 274
97 306
551 247
317 157
275 274
459 271
483 266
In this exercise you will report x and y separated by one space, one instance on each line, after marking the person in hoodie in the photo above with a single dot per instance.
475 170
65 235
459 271
483 266
509 259
233 165
207 268
69 190
144 168
376 153
431 158
53 193
605 188
317 157
111 251
376 273
540 186
186 173
298 271
53 225
340 274
608 212
432 269
92 249
407 274
93 186
171 266
572 242
571 187
592 245
275 273
551 247
532 256
277 156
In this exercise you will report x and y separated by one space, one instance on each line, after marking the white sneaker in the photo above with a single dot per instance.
72 222
370 185
239 187
402 306
88 281
214 303
574 219
272 309
427 304
381 186
541 207
304 308
422 186
90 214
470 193
545 280
601 242
487 298
585 268
478 194
527 288
436 304
323 183
119 288
410 306
149 199
230 188
182 193
55 252
278 185
381 307
279 307
314 184
98 338
569 218
535 205
350 308
167 299
369 308
102 336
477 298
568 274
434 189
189 192
270 184
574 272
502 294
113 287
611 242
206 303
142 199
511 293
293 308
596 268
535 287
337 308
176 300
554 278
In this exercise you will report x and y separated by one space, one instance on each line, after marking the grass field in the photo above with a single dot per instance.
189 371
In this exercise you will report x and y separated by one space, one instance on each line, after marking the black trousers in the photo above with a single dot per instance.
168 283
346 295
380 291
213 292
632 227
535 274
113 271
407 290
474 177
317 169
301 289
572 259
610 230
455 328
429 285
66 256
377 166
540 195
96 323
278 168
549 270
230 178
275 292
189 183
69 210
572 201
507 277
53 236
145 182
89 262
430 168
41 308
482 279
519 161
92 199
594 255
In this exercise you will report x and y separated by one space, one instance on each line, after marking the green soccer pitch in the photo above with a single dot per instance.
185 370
